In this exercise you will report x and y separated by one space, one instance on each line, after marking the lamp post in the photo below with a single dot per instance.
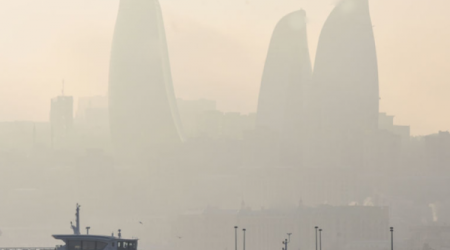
316 235
288 240
235 237
244 236
320 239
392 238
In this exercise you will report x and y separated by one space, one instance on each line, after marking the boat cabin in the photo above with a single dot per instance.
78 241
95 242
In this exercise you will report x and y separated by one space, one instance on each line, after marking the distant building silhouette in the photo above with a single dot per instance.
287 75
346 78
61 116
143 110
93 112
201 119
386 122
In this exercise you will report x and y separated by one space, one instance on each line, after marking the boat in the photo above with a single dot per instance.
78 241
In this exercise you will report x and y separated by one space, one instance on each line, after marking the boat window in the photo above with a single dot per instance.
132 245
101 245
74 245
127 245
88 245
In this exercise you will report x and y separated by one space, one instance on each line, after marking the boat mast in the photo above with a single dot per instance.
76 228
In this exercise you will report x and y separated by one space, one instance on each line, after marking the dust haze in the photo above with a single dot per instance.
239 124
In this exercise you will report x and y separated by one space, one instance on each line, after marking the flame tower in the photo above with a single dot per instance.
346 75
143 111
286 78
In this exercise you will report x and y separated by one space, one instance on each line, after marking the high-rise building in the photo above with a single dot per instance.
143 110
287 75
61 116
346 78
92 112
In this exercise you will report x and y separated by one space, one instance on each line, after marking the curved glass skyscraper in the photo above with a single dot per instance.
143 112
346 76
286 77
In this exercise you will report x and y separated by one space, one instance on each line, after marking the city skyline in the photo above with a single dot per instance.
92 25
162 161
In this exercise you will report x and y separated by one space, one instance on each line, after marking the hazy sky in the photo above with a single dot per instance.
217 50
